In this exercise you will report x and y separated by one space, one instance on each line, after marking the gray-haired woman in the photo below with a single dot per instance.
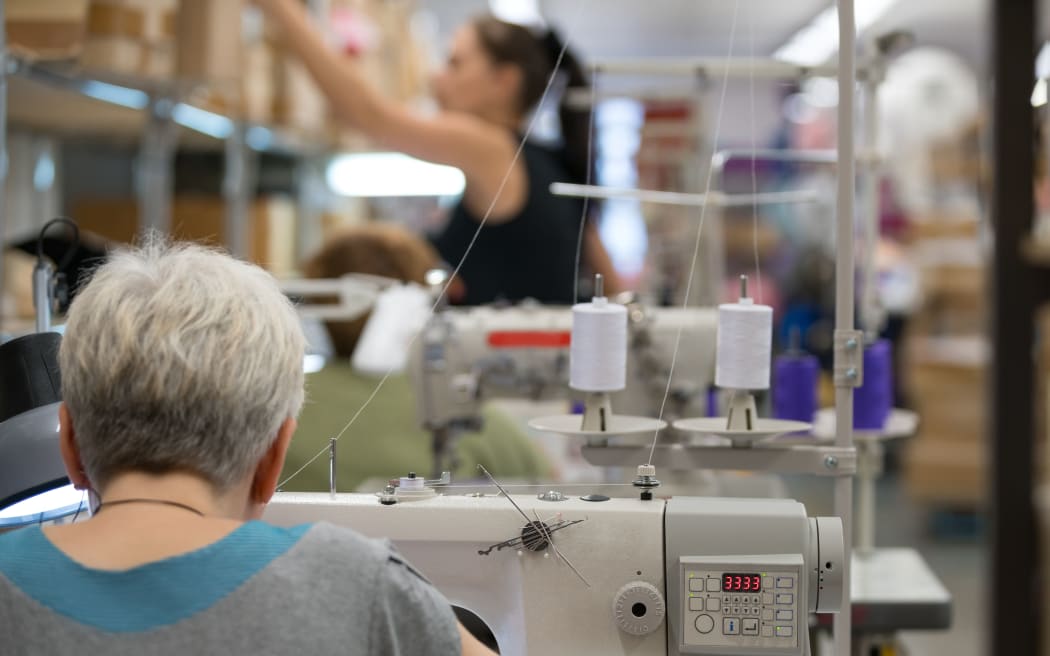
182 377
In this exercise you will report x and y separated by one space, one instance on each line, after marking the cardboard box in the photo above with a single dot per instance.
202 219
130 38
946 379
210 41
298 102
150 21
46 30
125 56
948 474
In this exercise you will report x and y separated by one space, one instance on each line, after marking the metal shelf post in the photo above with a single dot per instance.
156 167
238 188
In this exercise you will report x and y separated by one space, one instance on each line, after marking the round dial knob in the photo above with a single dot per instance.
639 608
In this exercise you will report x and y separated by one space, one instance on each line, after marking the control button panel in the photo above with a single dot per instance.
732 608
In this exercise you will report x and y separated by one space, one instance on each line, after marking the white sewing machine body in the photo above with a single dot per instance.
464 356
655 569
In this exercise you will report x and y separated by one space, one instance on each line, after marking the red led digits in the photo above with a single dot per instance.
741 582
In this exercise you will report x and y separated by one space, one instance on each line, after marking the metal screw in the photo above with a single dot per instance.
851 373
851 343
831 462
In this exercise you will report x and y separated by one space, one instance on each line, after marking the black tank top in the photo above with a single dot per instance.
531 256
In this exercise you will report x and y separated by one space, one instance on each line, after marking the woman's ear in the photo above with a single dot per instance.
67 443
268 471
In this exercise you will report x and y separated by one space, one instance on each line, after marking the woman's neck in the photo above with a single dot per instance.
177 487
503 118
163 520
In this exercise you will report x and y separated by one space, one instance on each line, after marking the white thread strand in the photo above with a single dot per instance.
700 228
754 151
466 253
586 199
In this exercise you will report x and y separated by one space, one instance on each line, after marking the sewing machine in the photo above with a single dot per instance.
700 575
466 356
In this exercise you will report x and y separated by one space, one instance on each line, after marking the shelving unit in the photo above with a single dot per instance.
159 117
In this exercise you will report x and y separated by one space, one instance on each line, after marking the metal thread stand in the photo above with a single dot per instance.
839 461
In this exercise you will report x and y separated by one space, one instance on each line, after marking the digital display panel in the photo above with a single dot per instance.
741 582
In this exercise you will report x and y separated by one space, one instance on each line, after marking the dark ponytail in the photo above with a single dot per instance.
575 122
508 43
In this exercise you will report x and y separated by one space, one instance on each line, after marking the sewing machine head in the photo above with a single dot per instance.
464 356
687 575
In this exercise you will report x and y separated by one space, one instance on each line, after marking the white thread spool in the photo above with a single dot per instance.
598 353
745 342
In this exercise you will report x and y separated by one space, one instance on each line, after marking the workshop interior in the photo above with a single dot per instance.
762 367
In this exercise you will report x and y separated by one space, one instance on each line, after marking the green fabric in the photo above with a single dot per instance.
385 440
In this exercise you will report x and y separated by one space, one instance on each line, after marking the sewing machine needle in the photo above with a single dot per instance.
540 524
558 552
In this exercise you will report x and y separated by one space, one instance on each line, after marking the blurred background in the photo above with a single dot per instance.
190 118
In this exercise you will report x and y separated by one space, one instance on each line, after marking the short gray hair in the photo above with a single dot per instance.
177 357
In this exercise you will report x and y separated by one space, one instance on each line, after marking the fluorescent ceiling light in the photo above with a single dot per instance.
815 43
392 174
522 12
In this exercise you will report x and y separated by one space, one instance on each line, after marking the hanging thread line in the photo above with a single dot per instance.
586 199
699 229
754 151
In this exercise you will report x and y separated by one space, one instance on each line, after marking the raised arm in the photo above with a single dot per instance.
483 151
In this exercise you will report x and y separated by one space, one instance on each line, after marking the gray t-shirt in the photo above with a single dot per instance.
313 589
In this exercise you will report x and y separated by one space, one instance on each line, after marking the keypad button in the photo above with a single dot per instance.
749 627
704 624
785 631
767 582
767 631
756 600
714 604
785 616
714 585
730 626
767 614
754 611
785 599
736 599
736 610
767 598
785 582
696 603
696 585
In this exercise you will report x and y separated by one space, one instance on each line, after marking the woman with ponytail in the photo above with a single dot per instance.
494 78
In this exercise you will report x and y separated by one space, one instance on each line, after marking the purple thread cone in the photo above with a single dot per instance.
795 379
873 400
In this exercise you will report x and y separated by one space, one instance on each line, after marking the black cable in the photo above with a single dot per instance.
67 259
